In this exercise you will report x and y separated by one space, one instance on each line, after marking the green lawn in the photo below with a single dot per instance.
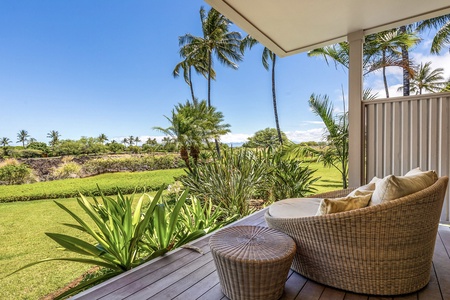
330 178
23 224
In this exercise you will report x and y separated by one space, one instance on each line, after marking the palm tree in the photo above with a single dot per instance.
386 48
102 138
216 40
125 141
137 140
447 86
336 153
180 131
427 80
372 51
187 64
249 42
192 124
131 140
442 37
5 142
53 135
22 137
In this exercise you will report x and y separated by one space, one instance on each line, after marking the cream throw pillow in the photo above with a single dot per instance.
330 206
393 187
365 189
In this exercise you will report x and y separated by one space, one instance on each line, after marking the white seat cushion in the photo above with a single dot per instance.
295 208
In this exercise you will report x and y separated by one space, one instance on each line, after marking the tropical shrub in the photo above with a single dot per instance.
13 172
68 169
165 230
19 152
290 179
39 146
133 164
231 180
207 217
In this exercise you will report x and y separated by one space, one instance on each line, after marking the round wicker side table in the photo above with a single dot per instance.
252 262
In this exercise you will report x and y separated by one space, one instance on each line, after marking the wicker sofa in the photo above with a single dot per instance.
385 249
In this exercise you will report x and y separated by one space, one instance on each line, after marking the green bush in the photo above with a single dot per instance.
290 179
24 153
132 164
13 172
230 181
68 169
242 175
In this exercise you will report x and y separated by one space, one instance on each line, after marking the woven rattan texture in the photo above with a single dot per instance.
385 249
252 262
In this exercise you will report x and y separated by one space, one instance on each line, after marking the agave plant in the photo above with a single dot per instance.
165 232
118 232
231 180
207 217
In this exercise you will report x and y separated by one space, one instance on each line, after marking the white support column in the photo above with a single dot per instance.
355 94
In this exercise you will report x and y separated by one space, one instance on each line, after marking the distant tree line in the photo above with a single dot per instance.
56 146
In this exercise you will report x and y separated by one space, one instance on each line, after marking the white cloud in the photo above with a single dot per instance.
393 91
437 61
231 138
299 136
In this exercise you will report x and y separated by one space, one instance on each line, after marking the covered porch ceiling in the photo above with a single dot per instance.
291 26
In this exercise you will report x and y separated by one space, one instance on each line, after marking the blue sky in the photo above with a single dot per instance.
87 67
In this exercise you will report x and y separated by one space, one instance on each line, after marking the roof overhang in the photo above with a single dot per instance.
292 26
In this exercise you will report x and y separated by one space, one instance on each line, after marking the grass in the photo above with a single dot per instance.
23 224
330 178
66 188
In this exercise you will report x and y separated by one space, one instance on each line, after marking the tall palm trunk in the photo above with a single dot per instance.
405 61
384 75
185 156
209 95
190 84
274 96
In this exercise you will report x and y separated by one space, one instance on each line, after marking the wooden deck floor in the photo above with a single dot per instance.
187 274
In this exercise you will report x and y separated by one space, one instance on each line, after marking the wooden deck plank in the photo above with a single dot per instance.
156 287
441 261
186 274
214 293
311 291
431 291
200 288
332 294
352 296
159 266
294 284
183 284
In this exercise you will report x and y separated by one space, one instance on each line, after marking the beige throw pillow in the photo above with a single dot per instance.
393 187
365 189
432 174
330 206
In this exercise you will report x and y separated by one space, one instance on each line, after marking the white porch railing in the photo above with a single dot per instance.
408 132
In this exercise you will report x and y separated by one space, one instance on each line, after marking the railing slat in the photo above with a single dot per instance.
404 133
